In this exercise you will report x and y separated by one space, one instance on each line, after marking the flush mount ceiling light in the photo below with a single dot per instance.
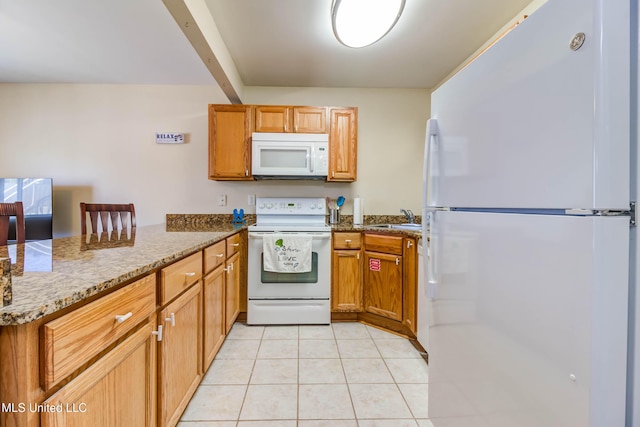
360 23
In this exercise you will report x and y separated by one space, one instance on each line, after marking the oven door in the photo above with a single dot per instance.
269 285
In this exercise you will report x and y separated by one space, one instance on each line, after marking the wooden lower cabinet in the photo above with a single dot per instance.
118 390
232 291
383 284
346 276
410 279
179 354
213 314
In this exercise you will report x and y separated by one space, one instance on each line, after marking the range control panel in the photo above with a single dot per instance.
291 206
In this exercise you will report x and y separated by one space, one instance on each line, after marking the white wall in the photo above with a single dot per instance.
97 142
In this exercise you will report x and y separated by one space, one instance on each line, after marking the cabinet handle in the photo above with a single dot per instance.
347 241
246 172
191 274
409 243
158 333
235 245
358 255
122 317
171 318
333 174
220 255
397 261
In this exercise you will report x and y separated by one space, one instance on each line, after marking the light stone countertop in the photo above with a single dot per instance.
72 271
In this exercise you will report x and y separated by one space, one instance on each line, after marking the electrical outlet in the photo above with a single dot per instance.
222 200
251 199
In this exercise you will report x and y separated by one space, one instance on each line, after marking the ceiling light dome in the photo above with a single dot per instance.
360 23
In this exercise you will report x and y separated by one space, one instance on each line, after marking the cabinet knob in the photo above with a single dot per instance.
171 318
122 317
158 333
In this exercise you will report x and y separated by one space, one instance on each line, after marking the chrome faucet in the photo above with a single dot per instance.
408 214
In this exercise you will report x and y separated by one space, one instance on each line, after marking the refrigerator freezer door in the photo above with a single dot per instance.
528 320
532 123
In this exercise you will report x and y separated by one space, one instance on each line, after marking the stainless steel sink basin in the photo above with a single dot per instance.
405 226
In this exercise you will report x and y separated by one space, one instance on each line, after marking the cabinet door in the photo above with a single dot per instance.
230 142
180 354
383 284
214 330
310 119
410 279
346 280
343 141
273 118
118 390
233 291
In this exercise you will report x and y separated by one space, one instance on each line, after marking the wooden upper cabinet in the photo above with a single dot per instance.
230 128
278 118
310 119
343 144
273 118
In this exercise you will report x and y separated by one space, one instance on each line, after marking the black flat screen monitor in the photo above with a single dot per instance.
36 197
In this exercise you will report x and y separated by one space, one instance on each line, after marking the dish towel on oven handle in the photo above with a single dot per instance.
287 253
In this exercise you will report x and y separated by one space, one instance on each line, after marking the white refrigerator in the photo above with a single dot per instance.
530 175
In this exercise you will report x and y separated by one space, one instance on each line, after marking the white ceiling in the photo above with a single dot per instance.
272 42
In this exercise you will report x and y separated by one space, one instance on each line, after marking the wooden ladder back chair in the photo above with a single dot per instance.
8 210
103 213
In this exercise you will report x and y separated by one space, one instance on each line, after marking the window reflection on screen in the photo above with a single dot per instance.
36 197
34 193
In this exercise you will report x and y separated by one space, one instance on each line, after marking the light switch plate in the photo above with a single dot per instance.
251 199
222 200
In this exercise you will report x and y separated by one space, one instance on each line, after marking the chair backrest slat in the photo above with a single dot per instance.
7 210
105 213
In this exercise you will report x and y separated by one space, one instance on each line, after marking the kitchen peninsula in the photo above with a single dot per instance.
85 333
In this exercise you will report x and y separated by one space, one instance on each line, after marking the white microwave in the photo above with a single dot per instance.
289 155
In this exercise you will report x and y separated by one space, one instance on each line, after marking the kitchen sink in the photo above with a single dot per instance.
405 226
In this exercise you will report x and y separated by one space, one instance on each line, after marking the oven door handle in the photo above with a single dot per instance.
319 236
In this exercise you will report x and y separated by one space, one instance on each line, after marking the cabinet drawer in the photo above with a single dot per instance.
214 256
179 276
75 338
233 244
383 243
347 240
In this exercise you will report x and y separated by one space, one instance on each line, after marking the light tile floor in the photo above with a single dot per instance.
340 375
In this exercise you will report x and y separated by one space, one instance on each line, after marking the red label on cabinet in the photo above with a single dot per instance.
374 264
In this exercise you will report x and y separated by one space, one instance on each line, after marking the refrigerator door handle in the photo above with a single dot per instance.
430 259
432 133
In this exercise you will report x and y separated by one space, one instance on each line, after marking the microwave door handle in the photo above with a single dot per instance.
310 160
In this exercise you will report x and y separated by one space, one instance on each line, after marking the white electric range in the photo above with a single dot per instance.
285 297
